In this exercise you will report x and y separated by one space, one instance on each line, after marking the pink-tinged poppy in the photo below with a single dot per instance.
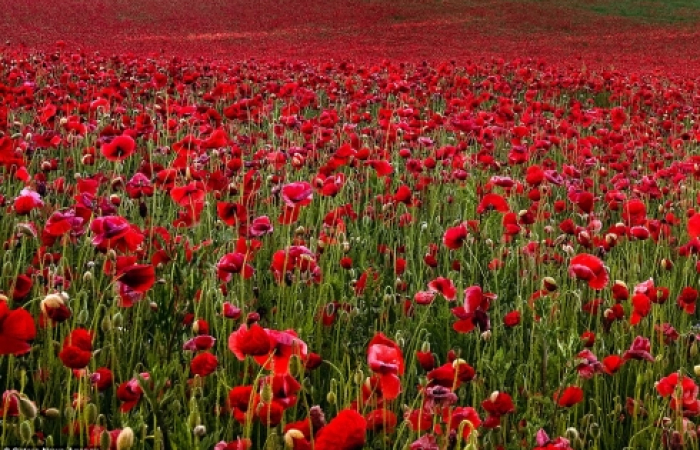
239 444
569 396
138 277
199 343
297 194
62 222
27 201
115 232
385 359
588 364
102 378
119 148
204 364
497 405
253 341
259 226
492 202
233 263
589 269
444 286
347 431
130 392
639 350
17 329
424 297
454 237
295 260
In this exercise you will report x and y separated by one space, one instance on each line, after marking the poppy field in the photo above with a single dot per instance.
321 249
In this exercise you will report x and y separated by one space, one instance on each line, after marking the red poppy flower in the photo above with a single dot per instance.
232 263
590 269
382 420
204 364
139 277
454 418
102 379
497 405
612 363
641 307
385 359
444 286
687 300
27 201
491 202
74 357
16 330
569 397
345 432
512 319
455 237
119 148
130 392
253 341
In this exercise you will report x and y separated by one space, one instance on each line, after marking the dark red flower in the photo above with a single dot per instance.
345 432
569 397
16 330
589 269
204 364
119 148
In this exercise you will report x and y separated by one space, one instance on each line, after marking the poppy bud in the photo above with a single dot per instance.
200 431
331 398
486 335
83 317
290 435
666 264
346 246
27 407
25 431
51 413
118 320
569 250
91 413
115 200
51 301
425 347
572 433
87 277
105 440
549 283
267 395
126 439
693 349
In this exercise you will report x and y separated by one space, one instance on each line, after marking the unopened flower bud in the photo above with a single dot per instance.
486 335
550 284
290 436
126 439
200 431
25 431
105 440
27 407
331 398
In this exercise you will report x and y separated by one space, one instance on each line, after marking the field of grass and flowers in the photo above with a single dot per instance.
255 244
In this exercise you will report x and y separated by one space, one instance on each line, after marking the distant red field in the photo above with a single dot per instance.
599 34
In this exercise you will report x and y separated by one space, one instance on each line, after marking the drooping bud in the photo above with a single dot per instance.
126 439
